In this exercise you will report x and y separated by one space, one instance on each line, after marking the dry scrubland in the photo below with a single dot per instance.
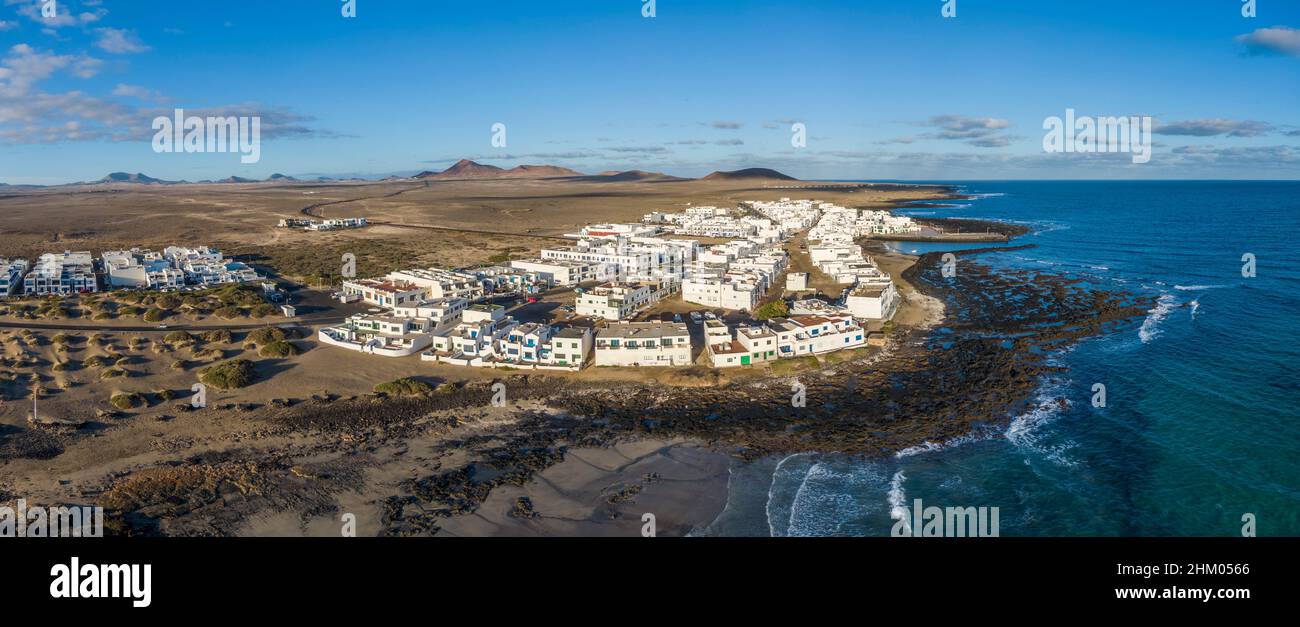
130 387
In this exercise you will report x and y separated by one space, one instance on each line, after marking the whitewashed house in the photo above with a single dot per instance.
389 336
620 301
643 344
62 273
384 292
140 269
12 272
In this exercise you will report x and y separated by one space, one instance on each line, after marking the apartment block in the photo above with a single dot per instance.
140 269
207 266
440 283
12 272
564 273
384 293
620 301
643 344
389 336
62 273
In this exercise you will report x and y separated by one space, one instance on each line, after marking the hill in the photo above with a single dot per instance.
749 173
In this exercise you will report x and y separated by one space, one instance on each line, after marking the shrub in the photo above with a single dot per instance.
113 373
278 349
154 315
228 313
232 374
261 311
266 335
178 337
404 387
126 400
218 335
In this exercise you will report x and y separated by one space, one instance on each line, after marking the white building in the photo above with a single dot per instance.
796 281
539 344
62 273
813 335
384 293
631 258
207 266
722 292
140 269
475 339
440 283
440 312
12 272
875 301
389 336
564 273
620 301
643 344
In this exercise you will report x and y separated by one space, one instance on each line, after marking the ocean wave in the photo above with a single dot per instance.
1150 328
774 506
831 498
1197 288
931 447
1196 307
1026 430
898 501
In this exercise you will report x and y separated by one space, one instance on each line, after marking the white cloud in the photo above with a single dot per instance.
1276 40
119 41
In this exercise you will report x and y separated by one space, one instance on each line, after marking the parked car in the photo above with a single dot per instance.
708 315
696 317
677 318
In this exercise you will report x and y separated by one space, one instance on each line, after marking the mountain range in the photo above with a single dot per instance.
461 170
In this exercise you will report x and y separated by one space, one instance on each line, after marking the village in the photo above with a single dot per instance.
708 286
642 294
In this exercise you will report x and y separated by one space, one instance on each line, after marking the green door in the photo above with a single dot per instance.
744 360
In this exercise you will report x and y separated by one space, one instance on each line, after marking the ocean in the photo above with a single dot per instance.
1201 424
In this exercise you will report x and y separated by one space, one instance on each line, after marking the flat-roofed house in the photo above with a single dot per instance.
874 301
140 269
387 335
384 292
441 312
619 301
62 273
564 272
643 344
12 272
475 338
440 283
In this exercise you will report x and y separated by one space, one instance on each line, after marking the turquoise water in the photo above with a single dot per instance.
1202 420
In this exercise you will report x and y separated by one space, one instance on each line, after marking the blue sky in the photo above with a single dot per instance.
887 90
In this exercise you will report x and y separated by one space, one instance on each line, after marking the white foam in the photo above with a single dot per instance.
897 501
1196 307
1150 328
1197 288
